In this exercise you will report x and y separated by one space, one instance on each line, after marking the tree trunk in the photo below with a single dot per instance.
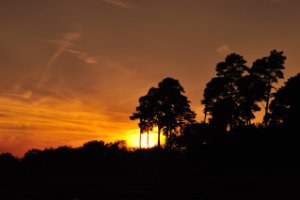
266 112
158 139
140 139
205 114
148 139
267 104
167 137
167 132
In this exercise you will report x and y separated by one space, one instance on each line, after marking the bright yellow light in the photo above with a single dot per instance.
133 138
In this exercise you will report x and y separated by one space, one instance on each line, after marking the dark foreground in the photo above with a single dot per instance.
209 173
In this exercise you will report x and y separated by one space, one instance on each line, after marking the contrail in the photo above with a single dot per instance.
82 56
64 44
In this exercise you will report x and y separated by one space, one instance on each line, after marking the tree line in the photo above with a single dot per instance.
230 100
98 170
186 168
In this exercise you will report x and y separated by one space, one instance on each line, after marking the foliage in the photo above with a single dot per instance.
285 108
165 107
230 97
269 70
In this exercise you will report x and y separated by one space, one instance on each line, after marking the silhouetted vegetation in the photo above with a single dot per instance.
285 108
269 70
165 107
110 171
224 157
230 98
231 101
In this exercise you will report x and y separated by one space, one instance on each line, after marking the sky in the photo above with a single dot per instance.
72 71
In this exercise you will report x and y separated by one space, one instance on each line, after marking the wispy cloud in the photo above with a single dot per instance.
120 3
82 56
223 49
63 45
49 122
67 44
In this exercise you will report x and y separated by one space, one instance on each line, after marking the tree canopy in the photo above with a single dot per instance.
230 97
269 70
165 107
231 100
285 108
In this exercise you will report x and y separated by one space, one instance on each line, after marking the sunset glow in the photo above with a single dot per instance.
133 138
72 71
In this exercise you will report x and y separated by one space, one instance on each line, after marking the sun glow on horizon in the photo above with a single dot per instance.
133 138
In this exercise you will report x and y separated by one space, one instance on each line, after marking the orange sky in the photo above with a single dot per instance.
72 70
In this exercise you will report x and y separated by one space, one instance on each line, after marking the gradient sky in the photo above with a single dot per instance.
72 70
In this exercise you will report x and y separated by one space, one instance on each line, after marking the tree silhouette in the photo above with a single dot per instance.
269 70
174 106
145 113
165 107
212 93
224 92
285 108
222 114
251 91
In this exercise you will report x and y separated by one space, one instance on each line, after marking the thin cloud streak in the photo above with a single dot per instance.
82 56
49 122
66 45
63 45
223 49
119 3
69 38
